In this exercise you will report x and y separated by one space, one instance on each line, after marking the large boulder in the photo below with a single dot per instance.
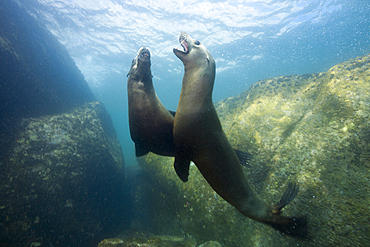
62 184
313 129
37 75
61 165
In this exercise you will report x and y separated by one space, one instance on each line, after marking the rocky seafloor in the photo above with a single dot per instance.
312 129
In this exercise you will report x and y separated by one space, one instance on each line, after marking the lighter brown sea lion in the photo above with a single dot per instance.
199 137
151 124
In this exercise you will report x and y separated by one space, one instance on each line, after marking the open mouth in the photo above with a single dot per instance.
184 44
144 55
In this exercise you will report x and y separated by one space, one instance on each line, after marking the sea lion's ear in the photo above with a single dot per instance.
128 74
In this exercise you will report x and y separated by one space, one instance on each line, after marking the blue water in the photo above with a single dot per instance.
250 40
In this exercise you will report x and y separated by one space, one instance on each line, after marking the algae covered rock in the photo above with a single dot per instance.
62 182
145 239
110 242
313 129
211 244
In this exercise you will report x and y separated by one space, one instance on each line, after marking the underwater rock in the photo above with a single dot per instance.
38 77
211 244
37 74
112 242
62 184
313 129
145 239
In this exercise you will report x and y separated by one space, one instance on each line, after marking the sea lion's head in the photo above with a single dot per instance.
141 64
194 54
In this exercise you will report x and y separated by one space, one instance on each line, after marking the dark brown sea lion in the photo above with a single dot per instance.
151 124
199 137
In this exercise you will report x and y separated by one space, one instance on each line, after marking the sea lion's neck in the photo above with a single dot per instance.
141 80
197 85
144 74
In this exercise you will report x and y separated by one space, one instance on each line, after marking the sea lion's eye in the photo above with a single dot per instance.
133 60
197 42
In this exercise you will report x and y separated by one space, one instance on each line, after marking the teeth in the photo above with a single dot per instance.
184 45
144 55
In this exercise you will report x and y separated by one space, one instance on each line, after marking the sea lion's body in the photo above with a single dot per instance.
151 124
199 137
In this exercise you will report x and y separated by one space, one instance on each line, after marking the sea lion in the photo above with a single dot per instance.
199 137
151 124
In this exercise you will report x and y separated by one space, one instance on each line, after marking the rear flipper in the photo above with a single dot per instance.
244 158
287 197
293 226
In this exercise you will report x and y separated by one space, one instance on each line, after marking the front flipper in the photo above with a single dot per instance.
140 151
244 157
181 166
173 113
293 226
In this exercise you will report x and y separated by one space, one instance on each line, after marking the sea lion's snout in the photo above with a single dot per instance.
144 54
140 63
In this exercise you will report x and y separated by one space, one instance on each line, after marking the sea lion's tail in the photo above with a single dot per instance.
293 226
